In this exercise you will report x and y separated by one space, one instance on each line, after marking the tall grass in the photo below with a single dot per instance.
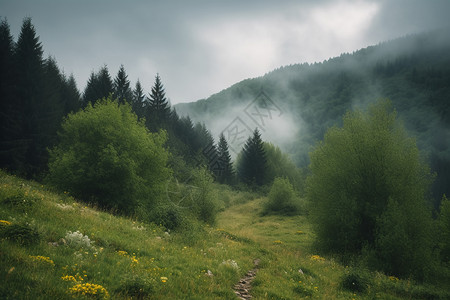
73 250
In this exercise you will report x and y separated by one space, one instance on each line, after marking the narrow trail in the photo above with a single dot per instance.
242 289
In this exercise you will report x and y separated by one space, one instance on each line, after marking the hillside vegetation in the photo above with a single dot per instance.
54 247
413 72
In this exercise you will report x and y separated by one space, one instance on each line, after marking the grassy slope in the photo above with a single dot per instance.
161 266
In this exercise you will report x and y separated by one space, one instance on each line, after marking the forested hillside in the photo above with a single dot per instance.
412 71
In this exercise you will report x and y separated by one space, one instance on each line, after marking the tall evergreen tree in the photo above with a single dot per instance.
29 77
70 95
158 110
138 100
121 87
226 173
51 110
9 128
99 86
252 165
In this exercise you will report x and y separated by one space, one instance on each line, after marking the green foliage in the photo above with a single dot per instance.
355 280
19 199
444 229
136 287
282 198
226 173
158 107
204 203
404 240
355 173
252 164
99 86
106 157
196 198
412 71
280 165
21 233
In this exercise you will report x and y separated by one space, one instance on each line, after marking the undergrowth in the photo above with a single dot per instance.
55 247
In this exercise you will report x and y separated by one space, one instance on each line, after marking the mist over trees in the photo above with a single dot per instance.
131 152
413 72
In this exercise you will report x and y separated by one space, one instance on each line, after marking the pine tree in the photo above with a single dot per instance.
9 128
252 166
138 100
121 87
158 110
29 77
226 167
99 86
51 110
70 95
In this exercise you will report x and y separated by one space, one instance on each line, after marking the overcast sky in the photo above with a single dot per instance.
201 47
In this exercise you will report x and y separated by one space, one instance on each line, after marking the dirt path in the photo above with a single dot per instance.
242 289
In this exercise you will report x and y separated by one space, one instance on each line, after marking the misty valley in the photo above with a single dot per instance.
325 180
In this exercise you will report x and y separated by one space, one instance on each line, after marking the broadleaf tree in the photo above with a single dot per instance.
106 156
364 175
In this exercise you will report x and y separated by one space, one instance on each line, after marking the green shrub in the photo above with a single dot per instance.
444 229
355 173
137 287
22 234
282 198
169 216
355 281
107 157
18 198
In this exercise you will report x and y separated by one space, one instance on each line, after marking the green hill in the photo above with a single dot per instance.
54 247
299 102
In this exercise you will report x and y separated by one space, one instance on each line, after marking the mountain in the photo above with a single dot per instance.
294 105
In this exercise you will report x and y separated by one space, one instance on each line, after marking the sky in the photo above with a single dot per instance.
201 47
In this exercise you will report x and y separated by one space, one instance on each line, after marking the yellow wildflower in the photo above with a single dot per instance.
123 253
277 242
68 278
3 222
393 278
164 279
42 259
317 258
89 289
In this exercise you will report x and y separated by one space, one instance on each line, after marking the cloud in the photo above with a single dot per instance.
201 47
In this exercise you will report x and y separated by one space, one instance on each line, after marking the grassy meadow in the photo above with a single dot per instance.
55 247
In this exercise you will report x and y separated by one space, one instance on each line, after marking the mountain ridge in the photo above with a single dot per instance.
412 71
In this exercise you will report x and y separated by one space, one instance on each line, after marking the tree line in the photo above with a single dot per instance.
36 96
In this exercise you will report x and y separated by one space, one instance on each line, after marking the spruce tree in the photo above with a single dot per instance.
252 166
138 100
158 110
224 158
9 129
51 110
29 84
99 86
121 88
70 95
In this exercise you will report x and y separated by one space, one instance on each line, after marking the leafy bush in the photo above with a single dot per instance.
108 157
355 173
355 281
22 234
282 198
18 198
204 203
138 287
444 229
